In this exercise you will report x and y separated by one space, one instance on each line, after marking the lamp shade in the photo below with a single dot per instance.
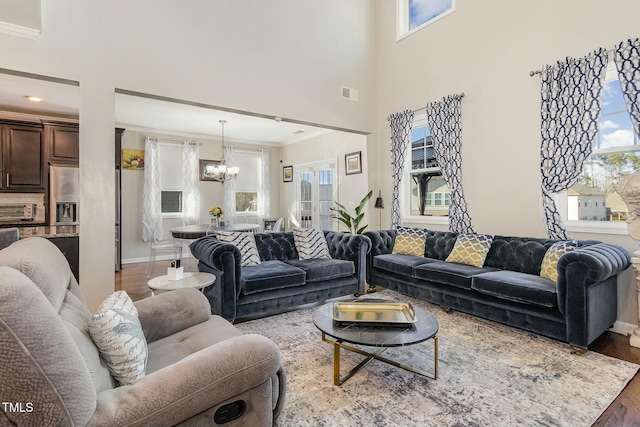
379 202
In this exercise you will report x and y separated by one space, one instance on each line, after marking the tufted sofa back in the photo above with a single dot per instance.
276 246
439 244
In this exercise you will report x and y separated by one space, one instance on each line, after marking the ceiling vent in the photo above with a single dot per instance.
350 94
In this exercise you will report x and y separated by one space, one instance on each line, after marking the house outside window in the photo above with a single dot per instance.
616 155
413 15
427 193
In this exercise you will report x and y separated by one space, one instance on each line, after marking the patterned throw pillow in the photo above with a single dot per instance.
471 249
246 242
410 241
116 331
310 243
549 268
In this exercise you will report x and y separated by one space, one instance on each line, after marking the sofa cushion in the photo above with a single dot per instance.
519 287
399 263
409 241
449 273
116 330
310 243
549 267
324 269
270 275
245 242
471 249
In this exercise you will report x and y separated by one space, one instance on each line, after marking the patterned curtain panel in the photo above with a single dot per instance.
264 205
571 103
229 187
400 124
190 189
627 58
444 121
151 210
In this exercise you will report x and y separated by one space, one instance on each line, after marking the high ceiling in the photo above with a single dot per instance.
153 114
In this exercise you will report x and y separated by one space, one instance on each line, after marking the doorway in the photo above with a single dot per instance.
316 191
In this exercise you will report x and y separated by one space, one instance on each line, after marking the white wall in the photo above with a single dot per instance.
211 193
486 50
286 58
334 146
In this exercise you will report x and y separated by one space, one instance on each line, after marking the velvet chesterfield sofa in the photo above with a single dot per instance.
281 280
508 285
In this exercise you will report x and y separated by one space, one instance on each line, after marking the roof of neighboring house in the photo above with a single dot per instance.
584 190
616 204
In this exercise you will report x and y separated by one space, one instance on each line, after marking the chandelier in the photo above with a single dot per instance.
221 172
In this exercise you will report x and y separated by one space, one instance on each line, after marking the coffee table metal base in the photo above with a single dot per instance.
339 344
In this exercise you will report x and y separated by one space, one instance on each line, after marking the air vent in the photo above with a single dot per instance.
350 94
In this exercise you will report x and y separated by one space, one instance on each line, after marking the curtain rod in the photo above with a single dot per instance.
608 51
171 141
459 96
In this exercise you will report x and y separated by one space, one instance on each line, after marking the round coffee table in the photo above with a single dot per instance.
189 280
424 328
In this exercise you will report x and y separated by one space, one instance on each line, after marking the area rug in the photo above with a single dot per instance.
489 375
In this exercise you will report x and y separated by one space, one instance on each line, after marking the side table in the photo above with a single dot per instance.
190 280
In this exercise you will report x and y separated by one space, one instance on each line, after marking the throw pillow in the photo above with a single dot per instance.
549 268
471 249
116 331
410 241
246 242
310 243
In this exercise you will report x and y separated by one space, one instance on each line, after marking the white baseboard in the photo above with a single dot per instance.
623 328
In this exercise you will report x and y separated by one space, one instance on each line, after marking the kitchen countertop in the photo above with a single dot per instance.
48 231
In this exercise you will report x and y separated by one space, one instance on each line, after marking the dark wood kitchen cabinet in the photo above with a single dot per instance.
23 157
63 142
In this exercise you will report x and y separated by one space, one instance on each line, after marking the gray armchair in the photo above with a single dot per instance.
201 370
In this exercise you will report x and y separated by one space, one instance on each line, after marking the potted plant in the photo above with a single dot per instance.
352 222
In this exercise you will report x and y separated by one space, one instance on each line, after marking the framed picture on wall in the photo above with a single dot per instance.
287 174
353 163
206 169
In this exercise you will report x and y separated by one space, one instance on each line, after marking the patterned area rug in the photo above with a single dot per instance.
489 375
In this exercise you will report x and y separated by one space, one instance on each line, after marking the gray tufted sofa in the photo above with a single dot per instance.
281 281
508 289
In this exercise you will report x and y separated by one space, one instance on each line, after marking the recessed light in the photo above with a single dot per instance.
298 132
34 98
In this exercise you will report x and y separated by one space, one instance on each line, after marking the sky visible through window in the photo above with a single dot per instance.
422 11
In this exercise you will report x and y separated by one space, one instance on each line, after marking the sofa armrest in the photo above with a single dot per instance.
382 242
350 247
223 260
194 384
165 314
595 263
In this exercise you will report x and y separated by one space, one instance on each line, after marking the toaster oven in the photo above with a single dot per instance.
22 208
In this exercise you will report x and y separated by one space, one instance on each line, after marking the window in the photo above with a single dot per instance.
170 179
248 182
616 154
413 15
429 195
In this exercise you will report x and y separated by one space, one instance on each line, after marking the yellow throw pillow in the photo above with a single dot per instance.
410 241
471 249
549 268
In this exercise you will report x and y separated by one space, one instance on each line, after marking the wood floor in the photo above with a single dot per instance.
623 412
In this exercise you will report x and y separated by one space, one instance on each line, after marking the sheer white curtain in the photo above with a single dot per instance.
151 210
264 206
230 186
190 189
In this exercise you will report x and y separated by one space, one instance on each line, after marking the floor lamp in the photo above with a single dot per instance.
379 205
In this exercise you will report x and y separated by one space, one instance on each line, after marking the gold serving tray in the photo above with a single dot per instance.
380 313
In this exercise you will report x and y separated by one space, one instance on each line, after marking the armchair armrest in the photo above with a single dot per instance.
165 314
194 384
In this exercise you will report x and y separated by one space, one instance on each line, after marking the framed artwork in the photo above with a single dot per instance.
206 169
287 174
353 163
132 159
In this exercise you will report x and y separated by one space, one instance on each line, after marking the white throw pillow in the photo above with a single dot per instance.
246 242
117 332
310 243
